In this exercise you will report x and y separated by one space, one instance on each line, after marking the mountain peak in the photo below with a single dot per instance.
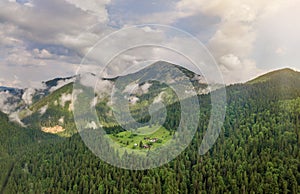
157 70
280 74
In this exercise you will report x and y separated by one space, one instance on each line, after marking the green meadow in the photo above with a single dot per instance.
132 139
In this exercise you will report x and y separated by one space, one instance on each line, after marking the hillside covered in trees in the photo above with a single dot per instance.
258 150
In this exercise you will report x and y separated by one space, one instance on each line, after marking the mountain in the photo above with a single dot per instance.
258 150
281 75
55 109
55 82
163 72
14 100
52 111
50 86
283 84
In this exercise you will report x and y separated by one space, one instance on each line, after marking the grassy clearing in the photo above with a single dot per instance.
128 139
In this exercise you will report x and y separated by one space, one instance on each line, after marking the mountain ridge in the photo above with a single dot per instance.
275 74
62 95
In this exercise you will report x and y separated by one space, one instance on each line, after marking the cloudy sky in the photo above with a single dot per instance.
44 39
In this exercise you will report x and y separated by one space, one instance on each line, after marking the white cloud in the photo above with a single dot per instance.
233 42
230 62
43 109
94 7
20 67
27 34
28 95
237 70
47 19
7 35
277 43
14 117
101 87
65 98
7 102
63 24
61 120
43 53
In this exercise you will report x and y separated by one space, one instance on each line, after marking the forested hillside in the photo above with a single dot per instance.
258 151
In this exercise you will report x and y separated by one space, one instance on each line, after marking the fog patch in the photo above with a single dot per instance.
65 98
28 95
14 117
61 120
7 102
43 109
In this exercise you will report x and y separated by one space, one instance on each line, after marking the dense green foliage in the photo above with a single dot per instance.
258 151
16 141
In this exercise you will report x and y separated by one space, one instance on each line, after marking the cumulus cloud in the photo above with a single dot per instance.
43 53
230 62
31 37
57 16
94 7
20 67
234 40
235 69
46 24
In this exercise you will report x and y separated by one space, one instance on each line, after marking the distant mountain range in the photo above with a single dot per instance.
51 105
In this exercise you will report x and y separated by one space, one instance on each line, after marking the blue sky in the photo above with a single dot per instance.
43 39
